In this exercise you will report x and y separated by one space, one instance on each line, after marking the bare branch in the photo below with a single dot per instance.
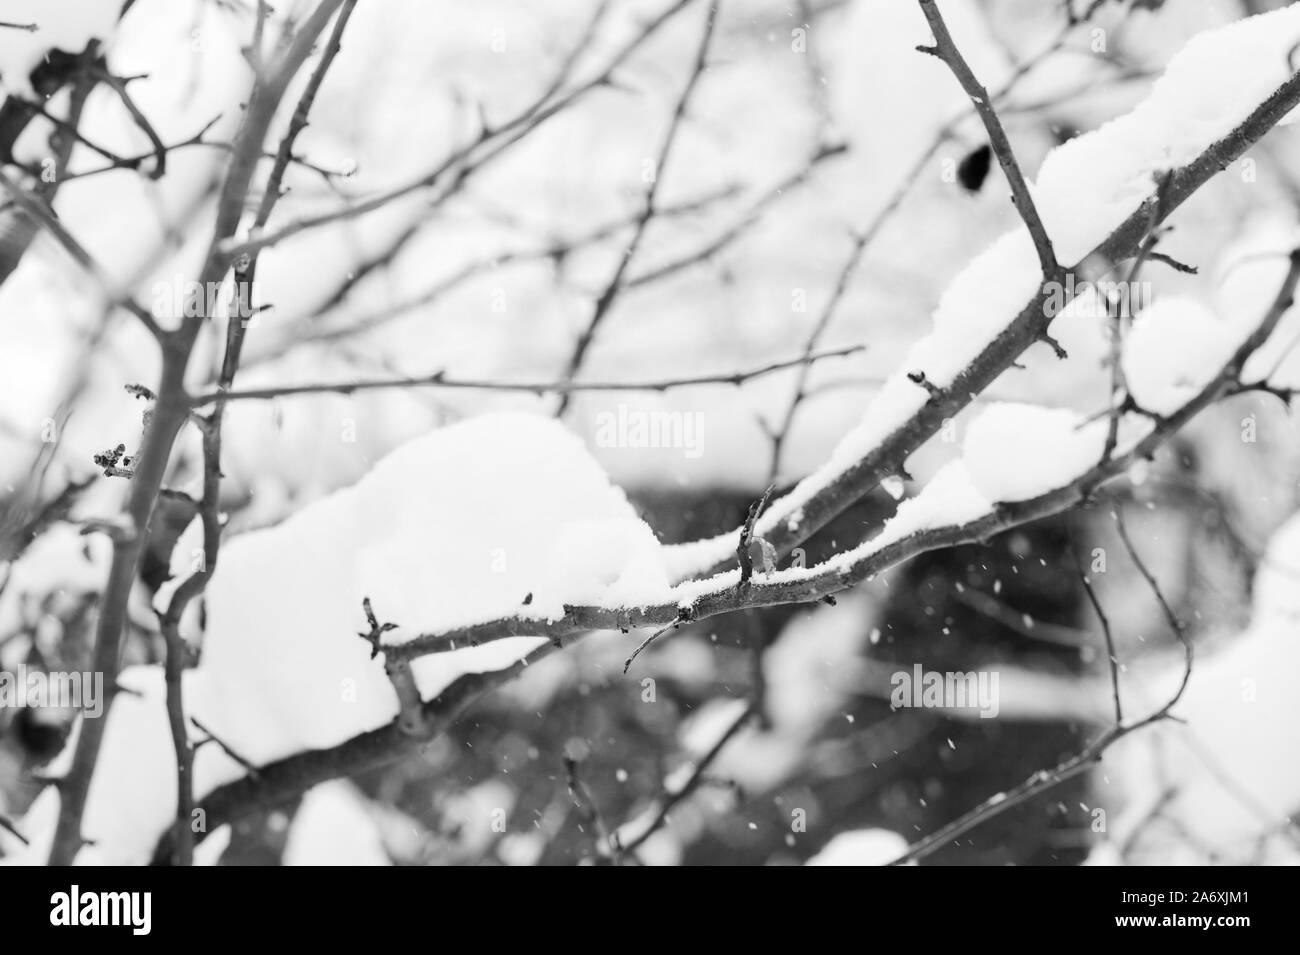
171 413
439 380
491 142
719 594
670 800
833 494
1112 658
605 301
946 50
1046 779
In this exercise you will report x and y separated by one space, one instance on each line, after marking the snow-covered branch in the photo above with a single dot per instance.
981 326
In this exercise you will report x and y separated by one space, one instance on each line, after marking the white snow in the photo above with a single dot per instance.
1114 167
1013 452
1247 276
1189 107
333 827
456 527
950 497
462 525
1175 349
861 847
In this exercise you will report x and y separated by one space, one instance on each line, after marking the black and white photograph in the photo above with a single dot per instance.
650 433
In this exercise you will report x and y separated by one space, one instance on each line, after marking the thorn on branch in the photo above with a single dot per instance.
919 378
1173 263
1054 345
223 746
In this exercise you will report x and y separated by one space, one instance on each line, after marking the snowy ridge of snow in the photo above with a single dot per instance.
948 498
502 515
1014 452
1175 349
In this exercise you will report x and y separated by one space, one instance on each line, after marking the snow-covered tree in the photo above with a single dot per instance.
531 412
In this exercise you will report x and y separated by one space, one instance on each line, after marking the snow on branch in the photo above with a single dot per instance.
1132 173
500 540
952 509
948 511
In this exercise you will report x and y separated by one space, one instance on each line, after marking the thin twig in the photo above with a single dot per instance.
10 828
439 380
1046 779
585 803
605 301
1112 657
671 799
463 161
946 50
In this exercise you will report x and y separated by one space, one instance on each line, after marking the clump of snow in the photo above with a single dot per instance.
1206 91
950 497
861 847
1176 347
1014 452
1247 277
498 516
456 527
1277 582
333 827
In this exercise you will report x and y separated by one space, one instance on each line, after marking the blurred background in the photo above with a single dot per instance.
825 183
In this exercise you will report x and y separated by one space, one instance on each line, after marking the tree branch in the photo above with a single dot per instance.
946 50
